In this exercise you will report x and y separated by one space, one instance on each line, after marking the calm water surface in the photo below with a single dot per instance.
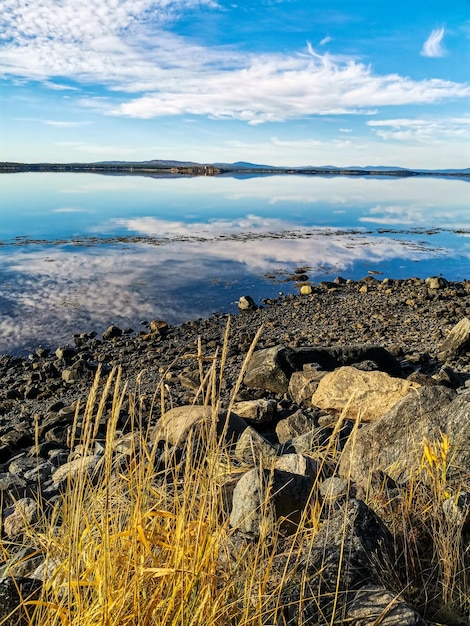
81 251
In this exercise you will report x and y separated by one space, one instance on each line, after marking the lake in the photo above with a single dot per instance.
79 252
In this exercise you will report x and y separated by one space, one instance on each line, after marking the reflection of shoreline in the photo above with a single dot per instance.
299 233
49 293
175 168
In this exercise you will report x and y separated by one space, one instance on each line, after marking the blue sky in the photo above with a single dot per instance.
284 82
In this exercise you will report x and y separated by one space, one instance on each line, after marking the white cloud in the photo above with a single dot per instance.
423 130
126 46
432 47
325 40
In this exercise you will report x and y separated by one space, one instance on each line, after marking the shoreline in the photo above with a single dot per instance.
405 316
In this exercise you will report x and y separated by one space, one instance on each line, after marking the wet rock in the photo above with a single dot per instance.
246 303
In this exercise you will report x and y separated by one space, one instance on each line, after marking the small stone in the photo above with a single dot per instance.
436 282
306 290
111 332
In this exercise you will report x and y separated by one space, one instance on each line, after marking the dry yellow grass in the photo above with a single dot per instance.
139 546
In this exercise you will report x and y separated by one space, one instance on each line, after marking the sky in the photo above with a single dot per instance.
279 82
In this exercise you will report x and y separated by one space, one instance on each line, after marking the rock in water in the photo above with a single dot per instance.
246 303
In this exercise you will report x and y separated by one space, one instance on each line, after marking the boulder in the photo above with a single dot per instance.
357 394
269 369
303 384
350 551
397 437
253 448
329 358
176 424
296 424
261 498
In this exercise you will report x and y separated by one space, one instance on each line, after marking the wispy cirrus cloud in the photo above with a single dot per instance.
432 47
422 129
128 48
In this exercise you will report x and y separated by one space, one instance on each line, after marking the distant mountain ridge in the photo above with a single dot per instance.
171 167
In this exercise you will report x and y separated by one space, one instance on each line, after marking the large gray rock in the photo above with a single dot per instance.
303 384
269 369
374 604
296 424
262 497
316 586
176 424
397 437
253 448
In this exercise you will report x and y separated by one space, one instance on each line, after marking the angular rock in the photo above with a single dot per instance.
269 369
303 384
296 464
112 332
261 497
159 326
397 437
355 394
436 282
350 551
296 424
457 341
18 517
253 448
246 303
256 411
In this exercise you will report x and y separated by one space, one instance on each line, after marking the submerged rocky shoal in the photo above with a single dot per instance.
388 360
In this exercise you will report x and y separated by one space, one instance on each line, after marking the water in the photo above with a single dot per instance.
81 251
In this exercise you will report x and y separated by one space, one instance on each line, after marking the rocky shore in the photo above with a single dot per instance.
380 366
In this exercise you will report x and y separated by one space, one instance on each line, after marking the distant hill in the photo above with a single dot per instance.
170 167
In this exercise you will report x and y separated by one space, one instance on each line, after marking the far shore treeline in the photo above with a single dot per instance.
161 167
